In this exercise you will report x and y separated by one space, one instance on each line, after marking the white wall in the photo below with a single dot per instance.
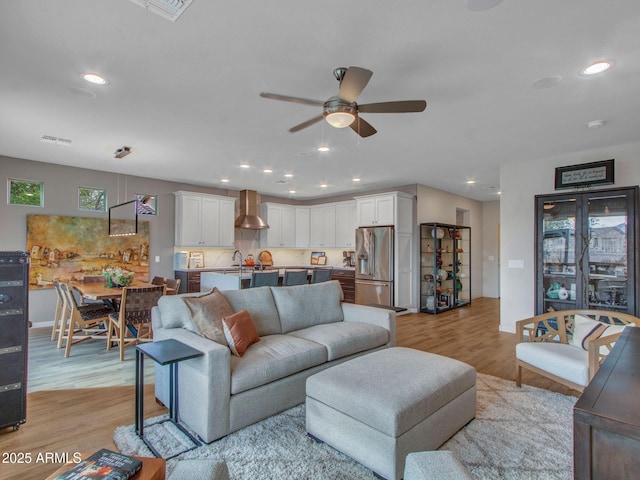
435 205
519 183
491 249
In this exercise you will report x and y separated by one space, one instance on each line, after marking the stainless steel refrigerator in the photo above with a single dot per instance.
374 265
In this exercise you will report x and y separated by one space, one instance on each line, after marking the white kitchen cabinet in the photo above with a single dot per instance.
204 220
346 224
282 225
322 226
395 209
376 210
303 238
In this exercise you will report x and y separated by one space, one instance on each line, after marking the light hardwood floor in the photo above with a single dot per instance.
64 420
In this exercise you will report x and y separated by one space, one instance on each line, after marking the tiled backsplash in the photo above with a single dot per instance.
221 257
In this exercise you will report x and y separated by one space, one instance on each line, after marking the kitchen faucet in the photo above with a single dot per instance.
233 259
260 263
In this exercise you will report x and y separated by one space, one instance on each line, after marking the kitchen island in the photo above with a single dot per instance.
225 280
234 279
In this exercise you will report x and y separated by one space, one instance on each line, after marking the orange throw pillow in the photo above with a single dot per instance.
240 332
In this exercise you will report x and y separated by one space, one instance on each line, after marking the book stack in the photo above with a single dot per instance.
103 464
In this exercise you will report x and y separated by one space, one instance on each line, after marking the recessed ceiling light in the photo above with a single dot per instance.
597 67
323 148
245 165
471 181
224 180
267 170
292 191
94 78
288 175
595 123
355 179
498 193
323 185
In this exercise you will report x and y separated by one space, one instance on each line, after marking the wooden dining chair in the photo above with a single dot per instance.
158 281
132 324
264 279
321 274
90 320
294 277
173 286
60 316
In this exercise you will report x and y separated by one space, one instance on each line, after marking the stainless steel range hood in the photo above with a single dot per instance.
249 217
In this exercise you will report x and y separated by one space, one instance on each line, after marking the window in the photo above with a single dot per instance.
26 192
93 199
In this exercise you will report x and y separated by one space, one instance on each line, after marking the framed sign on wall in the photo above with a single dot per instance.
585 174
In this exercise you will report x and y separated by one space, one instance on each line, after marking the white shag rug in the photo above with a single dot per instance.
517 434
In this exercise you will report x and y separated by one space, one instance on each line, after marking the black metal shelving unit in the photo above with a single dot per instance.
445 267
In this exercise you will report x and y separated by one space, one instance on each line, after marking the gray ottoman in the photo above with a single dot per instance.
379 407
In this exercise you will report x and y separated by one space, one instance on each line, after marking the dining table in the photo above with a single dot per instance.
111 296
100 291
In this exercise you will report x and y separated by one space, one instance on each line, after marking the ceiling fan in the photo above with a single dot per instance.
342 110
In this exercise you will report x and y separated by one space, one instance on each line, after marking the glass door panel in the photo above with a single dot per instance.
559 268
606 282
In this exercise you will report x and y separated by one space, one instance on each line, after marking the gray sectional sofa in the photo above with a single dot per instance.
303 330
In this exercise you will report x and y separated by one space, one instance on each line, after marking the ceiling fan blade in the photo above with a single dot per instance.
306 124
403 106
353 83
362 127
287 98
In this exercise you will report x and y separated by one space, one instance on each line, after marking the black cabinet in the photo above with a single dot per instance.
445 267
586 251
14 336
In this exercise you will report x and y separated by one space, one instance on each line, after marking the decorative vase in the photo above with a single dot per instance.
563 294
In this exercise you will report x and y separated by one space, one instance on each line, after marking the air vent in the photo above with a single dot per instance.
55 140
169 9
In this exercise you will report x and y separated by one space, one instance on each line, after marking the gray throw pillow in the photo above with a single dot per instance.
207 312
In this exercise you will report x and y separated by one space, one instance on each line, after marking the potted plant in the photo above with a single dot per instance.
117 277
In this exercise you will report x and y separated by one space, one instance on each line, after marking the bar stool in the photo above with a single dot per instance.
294 277
264 279
321 274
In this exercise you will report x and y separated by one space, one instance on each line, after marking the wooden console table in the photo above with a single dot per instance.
606 418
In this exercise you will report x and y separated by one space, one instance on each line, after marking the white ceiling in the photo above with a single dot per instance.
185 95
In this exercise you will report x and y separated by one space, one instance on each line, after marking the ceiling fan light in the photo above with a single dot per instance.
340 119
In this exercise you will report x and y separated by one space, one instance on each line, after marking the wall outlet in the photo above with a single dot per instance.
516 263
157 258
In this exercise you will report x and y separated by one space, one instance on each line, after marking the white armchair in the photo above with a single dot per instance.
568 346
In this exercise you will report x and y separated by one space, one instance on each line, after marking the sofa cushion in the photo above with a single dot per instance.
272 358
345 338
565 361
240 332
304 306
259 303
206 313
174 312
